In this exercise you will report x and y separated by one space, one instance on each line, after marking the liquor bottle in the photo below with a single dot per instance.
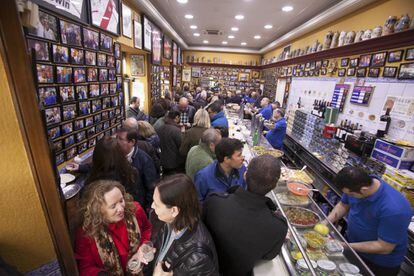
339 129
299 102
343 131
384 124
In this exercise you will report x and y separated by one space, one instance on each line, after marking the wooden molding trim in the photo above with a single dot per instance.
20 76
392 41
254 67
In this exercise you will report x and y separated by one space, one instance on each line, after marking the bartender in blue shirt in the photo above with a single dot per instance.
378 219
266 110
277 134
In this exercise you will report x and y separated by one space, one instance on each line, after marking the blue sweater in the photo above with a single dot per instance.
212 179
219 120
276 135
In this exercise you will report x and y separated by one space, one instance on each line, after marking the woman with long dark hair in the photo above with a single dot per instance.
108 162
184 245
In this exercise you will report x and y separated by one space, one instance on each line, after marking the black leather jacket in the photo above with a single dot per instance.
193 253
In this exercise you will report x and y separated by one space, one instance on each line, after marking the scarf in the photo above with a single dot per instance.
108 251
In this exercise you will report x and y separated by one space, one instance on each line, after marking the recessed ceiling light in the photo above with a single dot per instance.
257 37
193 27
231 36
205 41
234 29
268 26
287 8
239 17
189 16
196 34
182 1
243 43
224 42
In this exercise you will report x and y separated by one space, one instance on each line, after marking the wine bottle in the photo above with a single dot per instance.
384 124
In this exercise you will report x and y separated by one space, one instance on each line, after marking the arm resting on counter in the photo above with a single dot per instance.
340 210
373 247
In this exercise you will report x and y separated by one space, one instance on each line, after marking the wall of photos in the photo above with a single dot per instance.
390 73
79 83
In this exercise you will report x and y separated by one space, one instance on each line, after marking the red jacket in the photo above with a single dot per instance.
86 252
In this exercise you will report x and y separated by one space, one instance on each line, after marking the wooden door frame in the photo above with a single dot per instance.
20 77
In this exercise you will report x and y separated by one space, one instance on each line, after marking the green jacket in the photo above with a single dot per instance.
198 157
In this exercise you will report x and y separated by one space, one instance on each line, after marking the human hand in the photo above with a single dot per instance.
159 271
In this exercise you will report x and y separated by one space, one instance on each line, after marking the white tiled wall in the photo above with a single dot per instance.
322 88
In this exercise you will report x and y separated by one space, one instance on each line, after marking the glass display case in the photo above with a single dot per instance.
310 252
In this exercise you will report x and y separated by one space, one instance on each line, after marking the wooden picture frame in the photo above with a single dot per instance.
137 65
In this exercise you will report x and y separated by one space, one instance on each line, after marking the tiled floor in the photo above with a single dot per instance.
50 269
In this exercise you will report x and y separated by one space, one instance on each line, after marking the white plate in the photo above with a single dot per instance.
66 178
70 190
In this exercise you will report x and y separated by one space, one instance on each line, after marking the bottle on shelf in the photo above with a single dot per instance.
299 102
339 130
384 124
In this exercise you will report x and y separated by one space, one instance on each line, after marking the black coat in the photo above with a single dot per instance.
170 140
191 254
245 229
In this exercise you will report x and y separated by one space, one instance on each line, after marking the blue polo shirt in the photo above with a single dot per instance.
277 134
266 112
384 215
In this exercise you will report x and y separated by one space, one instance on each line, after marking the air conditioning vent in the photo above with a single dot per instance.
212 32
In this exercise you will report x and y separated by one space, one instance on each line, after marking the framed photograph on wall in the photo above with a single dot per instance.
60 54
147 33
63 74
137 34
350 72
41 49
409 54
105 15
175 52
243 77
353 62
126 21
70 33
47 96
406 71
90 39
395 56
344 62
46 28
364 60
378 59
117 50
374 72
389 72
90 58
167 48
137 65
361 72
77 56
44 73
106 43
156 45
341 72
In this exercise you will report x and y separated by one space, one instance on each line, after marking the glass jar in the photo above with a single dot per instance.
303 268
326 267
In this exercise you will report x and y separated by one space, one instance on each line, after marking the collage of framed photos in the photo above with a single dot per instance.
79 83
367 65
371 65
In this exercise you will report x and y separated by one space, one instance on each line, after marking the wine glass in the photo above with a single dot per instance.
147 249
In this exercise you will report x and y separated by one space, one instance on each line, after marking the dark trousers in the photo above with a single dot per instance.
381 270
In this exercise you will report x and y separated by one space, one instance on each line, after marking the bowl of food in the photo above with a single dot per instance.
289 199
314 239
298 188
301 217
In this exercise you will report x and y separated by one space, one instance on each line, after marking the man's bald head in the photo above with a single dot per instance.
183 103
131 123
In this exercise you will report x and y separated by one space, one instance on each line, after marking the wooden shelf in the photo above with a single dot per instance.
392 41
253 67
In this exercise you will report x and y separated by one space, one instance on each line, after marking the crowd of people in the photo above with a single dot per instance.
175 178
